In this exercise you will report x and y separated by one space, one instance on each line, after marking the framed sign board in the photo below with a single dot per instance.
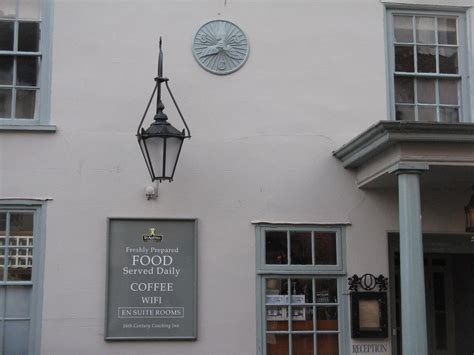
151 279
369 315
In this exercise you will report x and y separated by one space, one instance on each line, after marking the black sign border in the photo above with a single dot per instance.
108 337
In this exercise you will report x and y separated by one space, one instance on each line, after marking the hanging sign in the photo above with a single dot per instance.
151 279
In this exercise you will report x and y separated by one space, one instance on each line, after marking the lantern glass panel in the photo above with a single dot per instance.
163 153
173 147
154 149
142 144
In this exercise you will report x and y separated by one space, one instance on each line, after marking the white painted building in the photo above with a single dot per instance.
288 147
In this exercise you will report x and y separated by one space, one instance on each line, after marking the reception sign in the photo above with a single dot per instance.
151 279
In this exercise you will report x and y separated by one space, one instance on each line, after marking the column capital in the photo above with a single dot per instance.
408 168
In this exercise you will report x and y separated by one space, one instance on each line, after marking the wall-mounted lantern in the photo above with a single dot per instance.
469 210
161 142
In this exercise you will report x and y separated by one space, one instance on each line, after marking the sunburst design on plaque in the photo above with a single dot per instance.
220 47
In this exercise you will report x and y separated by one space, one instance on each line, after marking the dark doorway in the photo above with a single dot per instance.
449 286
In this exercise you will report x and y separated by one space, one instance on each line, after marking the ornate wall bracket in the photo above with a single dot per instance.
368 282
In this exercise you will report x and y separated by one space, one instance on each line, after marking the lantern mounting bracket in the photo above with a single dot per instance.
161 142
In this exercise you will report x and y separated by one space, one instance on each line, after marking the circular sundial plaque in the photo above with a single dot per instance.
220 47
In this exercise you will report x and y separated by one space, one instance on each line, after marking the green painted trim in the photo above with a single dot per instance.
264 271
39 208
464 59
344 321
28 128
304 269
46 61
422 8
303 224
44 100
384 134
407 167
388 72
467 96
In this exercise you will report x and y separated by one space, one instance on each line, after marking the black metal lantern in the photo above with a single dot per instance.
469 210
161 143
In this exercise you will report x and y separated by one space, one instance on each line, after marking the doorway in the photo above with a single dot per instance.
449 287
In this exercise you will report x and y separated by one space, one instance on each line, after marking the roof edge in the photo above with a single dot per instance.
384 134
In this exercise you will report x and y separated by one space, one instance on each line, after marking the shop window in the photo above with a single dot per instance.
427 64
24 63
20 281
301 276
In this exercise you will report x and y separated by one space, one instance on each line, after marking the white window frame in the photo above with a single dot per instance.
42 122
38 208
465 111
337 271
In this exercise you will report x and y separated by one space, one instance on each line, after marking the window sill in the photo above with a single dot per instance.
28 128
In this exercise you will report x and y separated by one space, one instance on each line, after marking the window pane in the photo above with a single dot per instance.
21 224
277 318
325 251
25 103
16 337
6 70
426 59
404 113
276 287
277 344
426 91
425 30
447 30
2 301
404 59
3 228
302 318
448 92
2 263
327 344
27 71
300 248
448 114
448 60
301 291
403 26
29 9
303 344
276 248
326 291
426 114
20 262
28 36
5 103
326 318
18 301
20 241
6 35
404 92
8 9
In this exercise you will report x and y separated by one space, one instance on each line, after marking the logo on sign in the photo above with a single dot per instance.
152 236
